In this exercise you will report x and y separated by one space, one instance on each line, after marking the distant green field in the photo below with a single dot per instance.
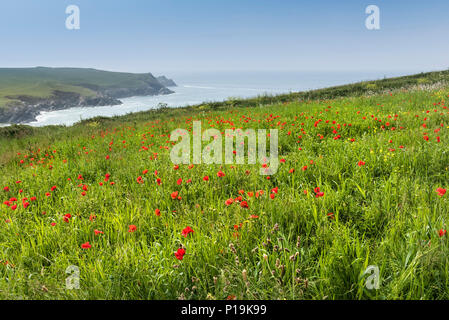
41 82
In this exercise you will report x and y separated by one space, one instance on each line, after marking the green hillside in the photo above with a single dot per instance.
41 82
362 179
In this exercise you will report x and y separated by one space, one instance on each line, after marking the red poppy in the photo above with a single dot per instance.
6 189
244 204
132 228
220 174
442 232
440 191
229 201
179 181
97 232
180 254
86 245
361 163
174 195
186 231
318 193
206 178
157 212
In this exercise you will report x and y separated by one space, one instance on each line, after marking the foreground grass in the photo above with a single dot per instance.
292 245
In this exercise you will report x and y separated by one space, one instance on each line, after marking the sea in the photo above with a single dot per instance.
195 88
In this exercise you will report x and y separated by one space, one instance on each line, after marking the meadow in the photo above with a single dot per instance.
362 179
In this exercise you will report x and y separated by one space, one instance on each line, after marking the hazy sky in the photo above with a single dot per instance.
172 36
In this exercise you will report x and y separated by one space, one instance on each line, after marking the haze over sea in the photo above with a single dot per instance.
205 87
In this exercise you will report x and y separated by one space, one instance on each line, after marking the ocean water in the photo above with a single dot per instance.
204 87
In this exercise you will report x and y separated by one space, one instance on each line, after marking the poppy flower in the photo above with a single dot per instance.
318 193
132 228
220 174
244 204
97 232
440 191
157 212
206 178
180 253
174 195
86 245
186 231
6 189
179 181
361 163
229 201
441 232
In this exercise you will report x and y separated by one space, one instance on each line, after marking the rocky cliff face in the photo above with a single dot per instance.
166 82
27 108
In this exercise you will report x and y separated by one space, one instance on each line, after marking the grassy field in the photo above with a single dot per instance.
101 196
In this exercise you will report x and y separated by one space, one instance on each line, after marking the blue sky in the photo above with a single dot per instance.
168 36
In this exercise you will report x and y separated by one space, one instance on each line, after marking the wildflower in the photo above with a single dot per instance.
67 217
244 204
174 195
441 232
361 163
440 191
206 178
132 228
186 231
220 174
157 212
318 193
180 253
86 245
97 232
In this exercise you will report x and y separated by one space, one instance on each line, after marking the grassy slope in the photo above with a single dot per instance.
41 82
386 213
